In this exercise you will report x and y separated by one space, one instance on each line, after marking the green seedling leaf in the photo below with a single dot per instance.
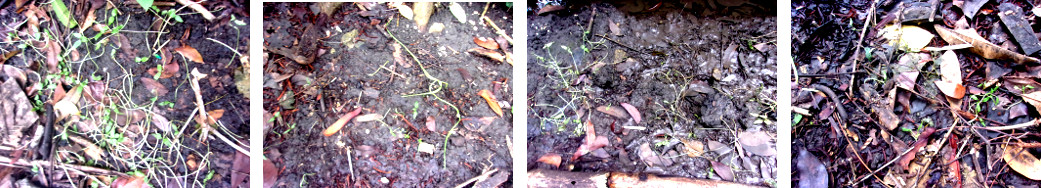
63 14
145 4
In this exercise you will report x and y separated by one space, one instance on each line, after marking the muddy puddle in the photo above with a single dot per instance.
666 88
104 104
423 121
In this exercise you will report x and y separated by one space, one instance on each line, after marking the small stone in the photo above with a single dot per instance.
437 27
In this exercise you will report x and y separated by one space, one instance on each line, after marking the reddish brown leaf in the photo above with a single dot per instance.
190 53
923 139
270 174
550 8
723 171
551 159
154 86
632 111
215 115
161 122
951 89
336 126
486 43
128 182
491 54
585 148
758 143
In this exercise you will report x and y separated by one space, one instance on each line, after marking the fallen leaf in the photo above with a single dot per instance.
812 173
648 156
950 67
192 165
693 148
550 159
399 57
1022 161
908 67
457 11
405 11
431 124
486 43
1034 99
437 27
1017 110
161 122
923 139
270 174
169 70
239 169
423 10
550 8
981 46
128 182
590 132
491 54
950 89
215 115
614 28
368 118
61 12
336 126
722 170
492 102
613 111
190 53
907 37
632 111
503 43
587 147
64 109
757 142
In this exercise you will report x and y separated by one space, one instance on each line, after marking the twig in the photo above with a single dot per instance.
481 177
863 30
22 163
198 8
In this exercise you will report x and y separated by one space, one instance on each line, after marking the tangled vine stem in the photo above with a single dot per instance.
438 85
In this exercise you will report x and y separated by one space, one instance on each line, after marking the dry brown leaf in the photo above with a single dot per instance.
951 89
950 67
981 46
693 148
551 159
1022 161
486 43
758 143
492 102
270 174
491 54
190 53
724 171
587 147
550 8
632 111
65 108
431 124
215 115
1034 99
128 182
161 122
613 111
154 86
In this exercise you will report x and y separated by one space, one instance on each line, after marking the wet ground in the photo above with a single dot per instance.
699 73
303 96
860 122
112 65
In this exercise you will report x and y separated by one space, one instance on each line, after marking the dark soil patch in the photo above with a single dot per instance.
843 134
342 79
123 124
676 70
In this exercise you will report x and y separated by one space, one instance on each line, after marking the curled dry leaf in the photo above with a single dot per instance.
190 53
336 126
486 43
723 171
492 102
632 111
551 159
368 118
1022 161
981 46
491 54
693 148
161 122
613 111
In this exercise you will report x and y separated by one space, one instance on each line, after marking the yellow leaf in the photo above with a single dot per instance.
190 53
1022 161
908 37
215 115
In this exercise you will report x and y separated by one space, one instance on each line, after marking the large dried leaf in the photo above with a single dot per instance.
981 46
1022 161
239 169
812 173
907 37
648 156
757 142
1034 99
950 67
724 171
431 124
632 111
693 148
457 11
190 53
215 115
908 68
587 147
550 159
404 10
154 86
